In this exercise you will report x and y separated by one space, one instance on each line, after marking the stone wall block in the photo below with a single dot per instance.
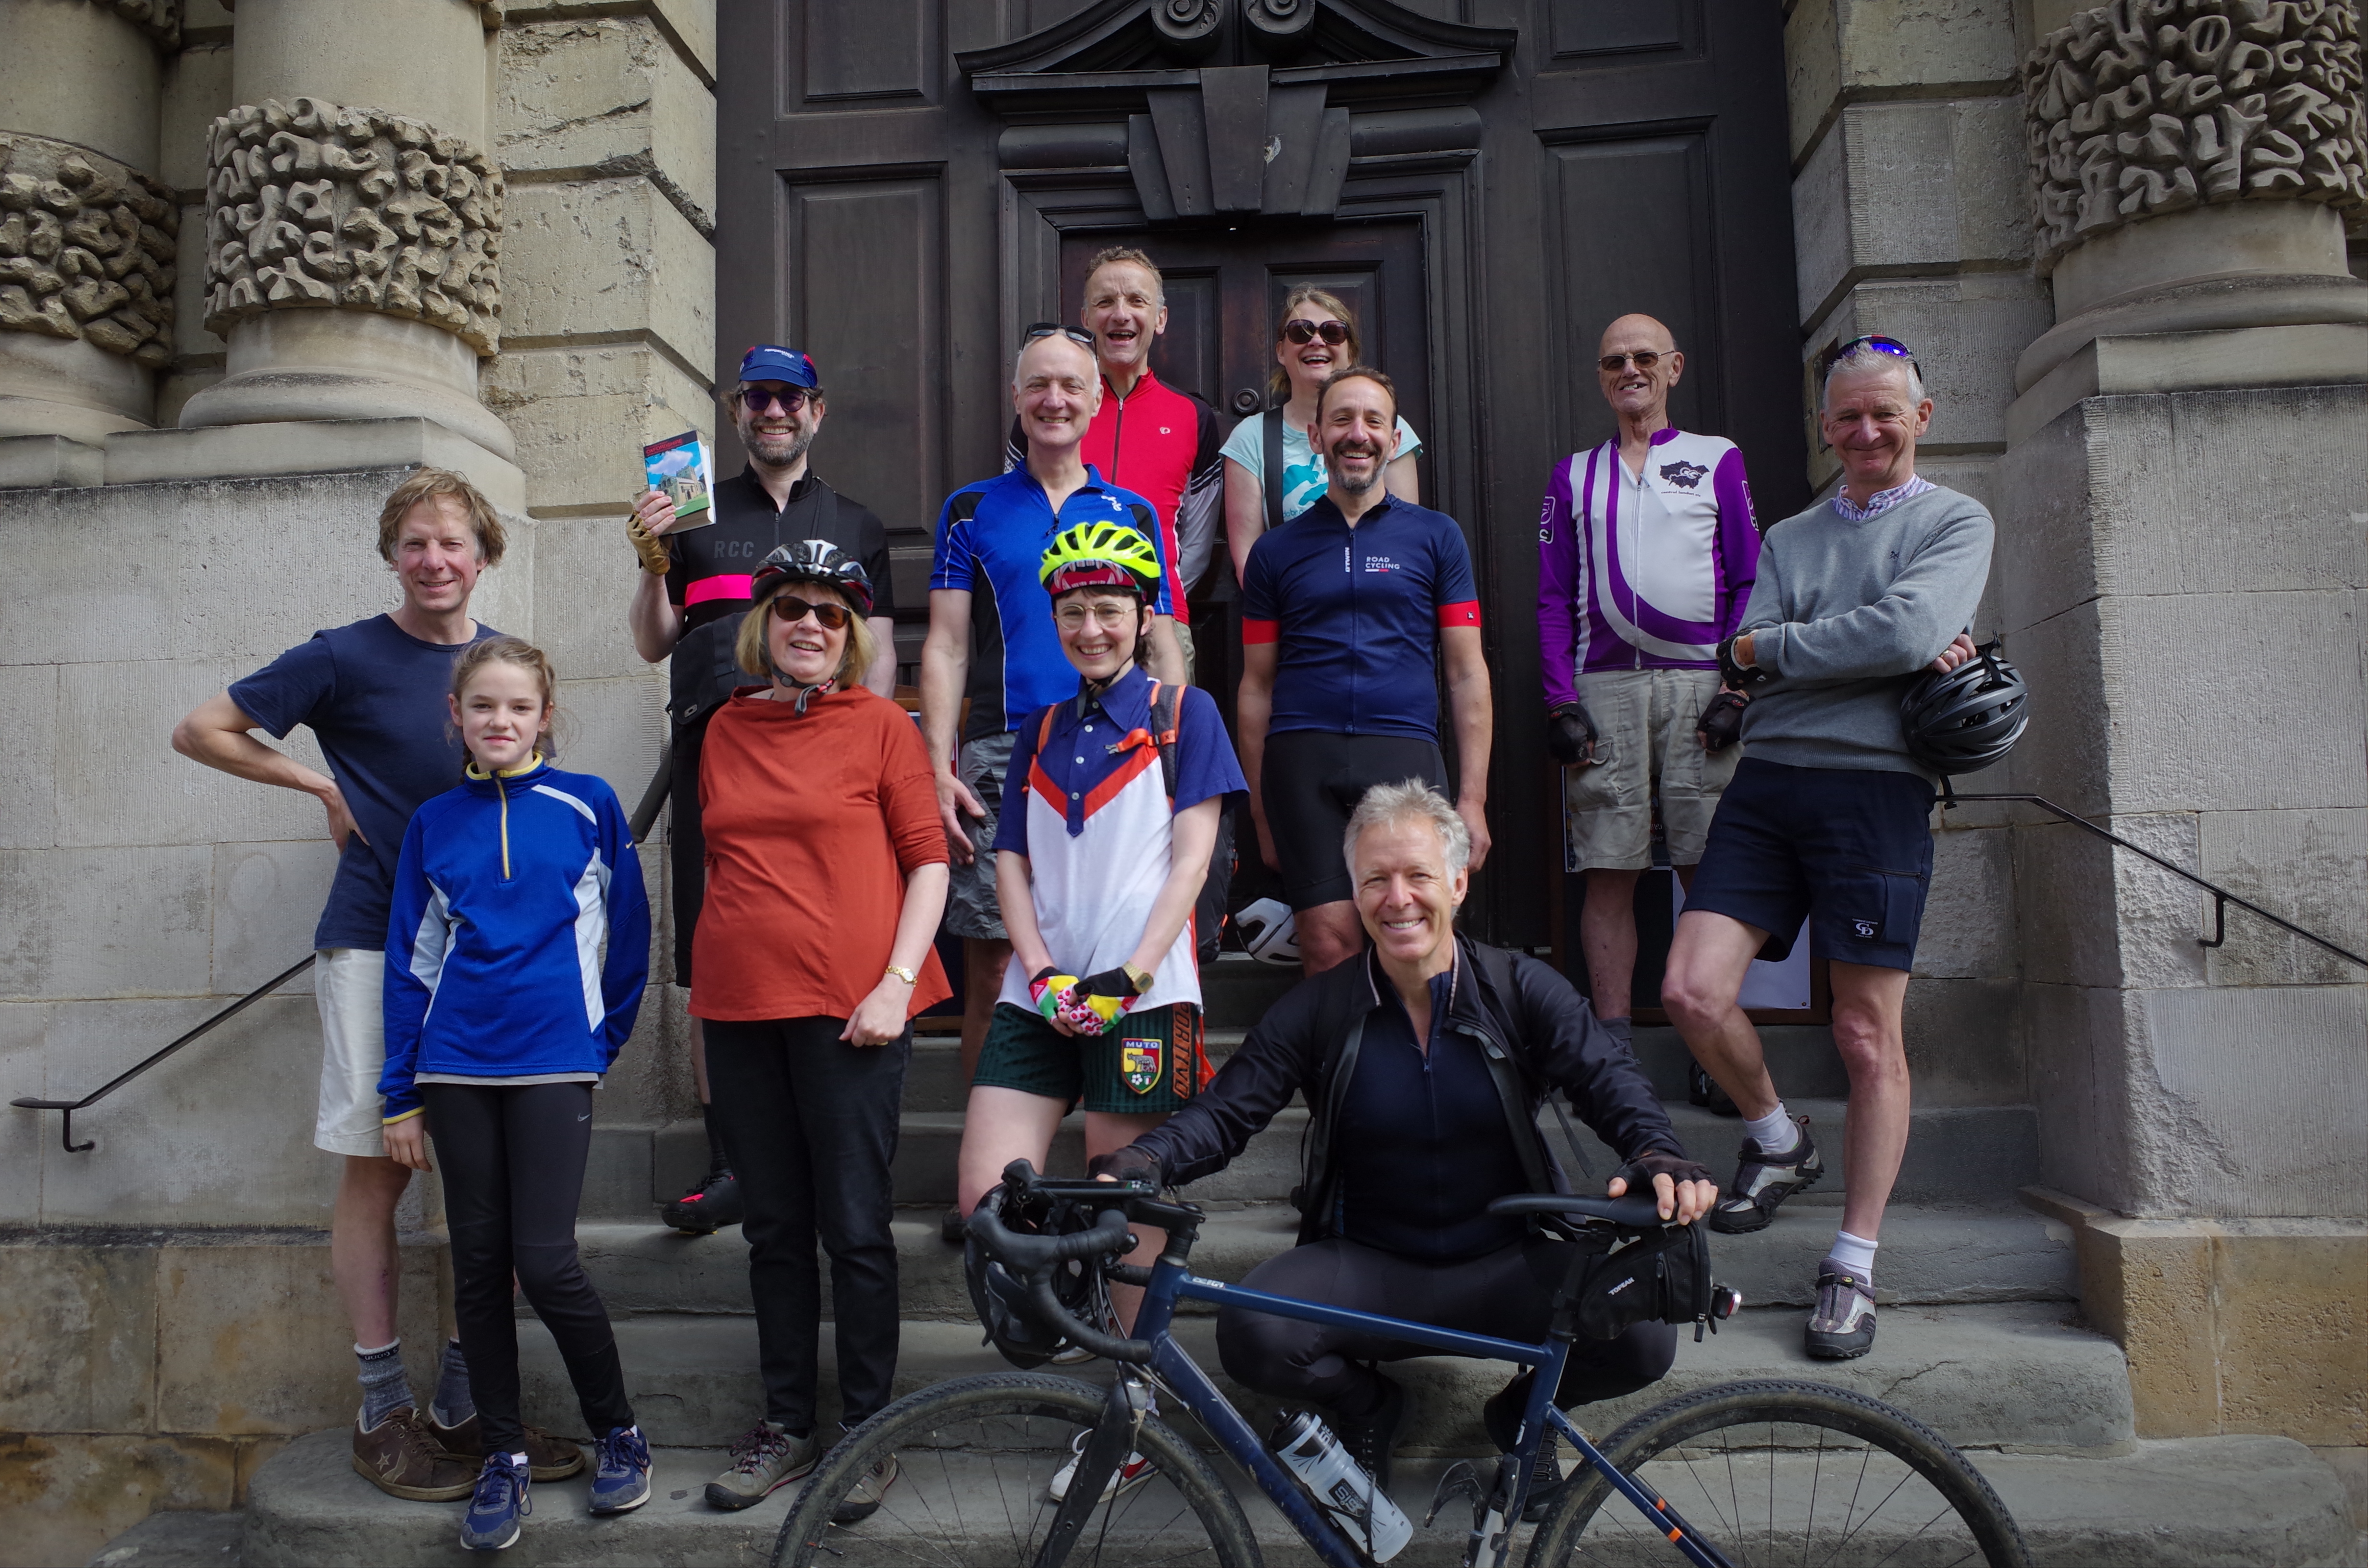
1969 915
323 206
221 1367
2091 913
100 923
192 337
2304 866
267 900
2167 472
688 26
87 249
93 1368
1965 1041
1839 49
2256 669
2258 1096
2157 1303
119 781
221 1134
608 95
583 414
617 727
29 703
2080 1066
2272 1278
65 1495
2045 559
197 91
25 1136
659 271
586 561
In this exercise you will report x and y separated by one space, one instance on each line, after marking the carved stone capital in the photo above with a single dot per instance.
2148 107
312 205
86 248
160 19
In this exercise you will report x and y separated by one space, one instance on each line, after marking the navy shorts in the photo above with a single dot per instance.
1848 848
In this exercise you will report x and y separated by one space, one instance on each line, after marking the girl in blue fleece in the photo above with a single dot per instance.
501 1017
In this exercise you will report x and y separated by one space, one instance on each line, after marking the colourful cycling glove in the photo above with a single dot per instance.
1046 991
1094 1005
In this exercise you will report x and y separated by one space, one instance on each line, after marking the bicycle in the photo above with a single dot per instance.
1749 1462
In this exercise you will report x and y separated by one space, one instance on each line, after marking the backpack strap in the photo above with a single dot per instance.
1270 443
1166 701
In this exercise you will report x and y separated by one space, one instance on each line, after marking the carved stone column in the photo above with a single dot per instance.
87 236
354 218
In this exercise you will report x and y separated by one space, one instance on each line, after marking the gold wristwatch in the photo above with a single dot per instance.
906 975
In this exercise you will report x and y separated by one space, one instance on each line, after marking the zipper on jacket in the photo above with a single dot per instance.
503 790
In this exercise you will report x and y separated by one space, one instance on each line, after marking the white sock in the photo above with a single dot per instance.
1855 1254
1776 1134
518 1459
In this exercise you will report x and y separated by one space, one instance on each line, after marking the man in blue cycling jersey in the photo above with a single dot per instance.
1345 613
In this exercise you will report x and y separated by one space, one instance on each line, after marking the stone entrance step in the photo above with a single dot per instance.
2015 1375
1956 1154
2188 1503
1931 1257
929 1141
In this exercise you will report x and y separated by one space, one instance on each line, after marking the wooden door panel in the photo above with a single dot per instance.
864 278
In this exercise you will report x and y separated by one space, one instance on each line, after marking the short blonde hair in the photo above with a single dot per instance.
863 647
428 483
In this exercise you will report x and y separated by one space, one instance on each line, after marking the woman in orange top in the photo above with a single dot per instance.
826 876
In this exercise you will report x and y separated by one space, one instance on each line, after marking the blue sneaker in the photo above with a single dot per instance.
492 1521
622 1481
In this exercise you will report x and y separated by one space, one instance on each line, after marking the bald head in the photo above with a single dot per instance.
1637 363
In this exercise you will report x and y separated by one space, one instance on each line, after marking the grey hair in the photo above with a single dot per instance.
1866 357
1410 798
1062 337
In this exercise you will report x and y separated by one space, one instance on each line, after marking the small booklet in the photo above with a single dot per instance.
679 467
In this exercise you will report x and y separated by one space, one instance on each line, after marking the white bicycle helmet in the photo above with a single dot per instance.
1268 933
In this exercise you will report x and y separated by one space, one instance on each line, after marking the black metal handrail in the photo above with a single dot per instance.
2221 897
66 1132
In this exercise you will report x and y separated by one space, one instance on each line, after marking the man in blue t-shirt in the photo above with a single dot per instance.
992 643
373 695
1346 612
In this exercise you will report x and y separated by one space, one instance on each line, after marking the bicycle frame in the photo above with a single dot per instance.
1172 1281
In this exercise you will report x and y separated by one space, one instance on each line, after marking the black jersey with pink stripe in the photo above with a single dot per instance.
713 564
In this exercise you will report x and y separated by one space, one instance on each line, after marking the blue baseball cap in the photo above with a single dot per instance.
771 362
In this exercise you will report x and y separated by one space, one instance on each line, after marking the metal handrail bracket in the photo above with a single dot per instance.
66 1132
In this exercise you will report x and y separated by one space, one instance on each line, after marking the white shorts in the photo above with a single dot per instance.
350 983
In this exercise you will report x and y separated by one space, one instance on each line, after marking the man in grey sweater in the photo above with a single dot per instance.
1827 817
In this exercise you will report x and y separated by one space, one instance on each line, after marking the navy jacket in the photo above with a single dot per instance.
1535 1031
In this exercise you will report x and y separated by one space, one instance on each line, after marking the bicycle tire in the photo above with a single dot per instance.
1744 1496
974 1455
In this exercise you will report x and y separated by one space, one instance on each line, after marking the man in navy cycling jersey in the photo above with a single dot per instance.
1344 613
984 592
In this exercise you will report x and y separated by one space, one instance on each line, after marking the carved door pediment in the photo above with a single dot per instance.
1236 106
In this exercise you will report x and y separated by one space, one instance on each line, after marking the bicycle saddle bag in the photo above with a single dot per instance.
1662 1277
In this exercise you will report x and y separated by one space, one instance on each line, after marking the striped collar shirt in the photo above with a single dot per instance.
1882 501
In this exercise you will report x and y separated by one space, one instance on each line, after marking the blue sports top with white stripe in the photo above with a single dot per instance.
507 890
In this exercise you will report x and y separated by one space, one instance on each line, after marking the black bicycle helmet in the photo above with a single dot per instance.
812 561
1969 717
1000 1298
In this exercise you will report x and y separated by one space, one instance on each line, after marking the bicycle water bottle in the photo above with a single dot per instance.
1341 1486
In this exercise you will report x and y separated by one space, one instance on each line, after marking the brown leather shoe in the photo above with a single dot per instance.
400 1458
547 1457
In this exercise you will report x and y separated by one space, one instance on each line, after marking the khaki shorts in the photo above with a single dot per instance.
1645 745
972 912
349 984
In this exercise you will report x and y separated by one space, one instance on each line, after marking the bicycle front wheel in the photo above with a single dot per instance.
1786 1472
973 1462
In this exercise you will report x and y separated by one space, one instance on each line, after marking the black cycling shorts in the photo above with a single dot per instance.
1311 781
1851 848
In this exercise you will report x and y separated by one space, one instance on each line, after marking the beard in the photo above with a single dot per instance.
779 450
1356 486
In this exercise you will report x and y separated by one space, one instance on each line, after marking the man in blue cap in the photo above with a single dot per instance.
693 591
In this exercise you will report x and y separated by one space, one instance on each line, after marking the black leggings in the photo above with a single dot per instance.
1506 1293
513 1166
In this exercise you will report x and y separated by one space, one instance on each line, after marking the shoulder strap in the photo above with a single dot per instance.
1271 438
1044 726
1166 701
1496 965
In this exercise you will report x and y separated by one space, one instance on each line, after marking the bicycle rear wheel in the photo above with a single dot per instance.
975 1461
1786 1472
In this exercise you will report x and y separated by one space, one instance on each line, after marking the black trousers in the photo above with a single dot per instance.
811 1122
1506 1293
513 1166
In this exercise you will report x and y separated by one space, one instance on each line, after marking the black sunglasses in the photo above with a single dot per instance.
1874 340
790 609
1645 359
1047 328
1303 333
757 399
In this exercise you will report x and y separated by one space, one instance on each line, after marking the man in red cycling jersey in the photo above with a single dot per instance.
1148 437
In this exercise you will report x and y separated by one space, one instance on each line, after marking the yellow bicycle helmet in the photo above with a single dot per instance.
1101 555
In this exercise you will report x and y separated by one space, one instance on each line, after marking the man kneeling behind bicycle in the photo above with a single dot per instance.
1425 1060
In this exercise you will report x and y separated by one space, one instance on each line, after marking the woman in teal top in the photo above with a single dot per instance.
1316 336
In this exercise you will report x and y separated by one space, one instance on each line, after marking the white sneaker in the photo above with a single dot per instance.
1124 1479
